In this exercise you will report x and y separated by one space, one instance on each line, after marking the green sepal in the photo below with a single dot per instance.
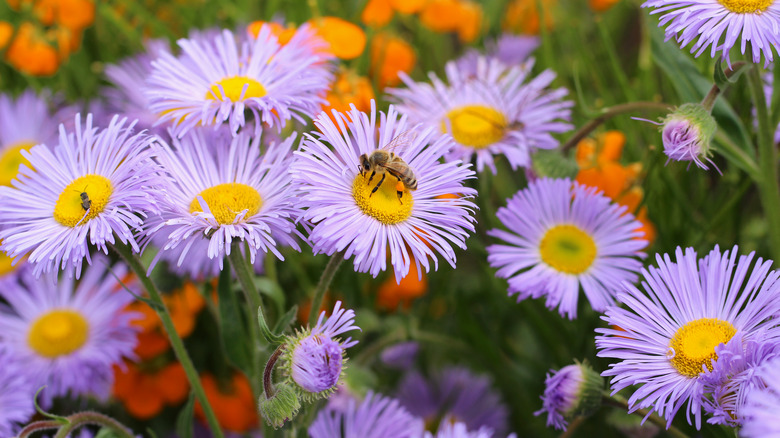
281 407
722 80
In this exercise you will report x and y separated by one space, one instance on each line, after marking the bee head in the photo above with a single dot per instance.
364 163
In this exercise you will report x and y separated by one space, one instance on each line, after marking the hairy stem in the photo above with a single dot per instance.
608 113
323 284
268 384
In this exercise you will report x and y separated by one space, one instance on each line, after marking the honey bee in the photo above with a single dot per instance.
384 161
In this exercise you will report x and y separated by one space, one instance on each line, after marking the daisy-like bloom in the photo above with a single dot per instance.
369 215
68 335
571 391
374 417
491 112
220 188
454 395
92 188
314 358
219 80
667 335
16 395
762 405
563 235
718 24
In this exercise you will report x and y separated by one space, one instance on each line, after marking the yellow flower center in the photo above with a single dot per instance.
5 264
746 6
57 333
477 126
233 87
82 200
694 344
227 200
10 161
566 248
383 205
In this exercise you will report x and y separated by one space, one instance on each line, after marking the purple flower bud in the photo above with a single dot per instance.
573 390
687 132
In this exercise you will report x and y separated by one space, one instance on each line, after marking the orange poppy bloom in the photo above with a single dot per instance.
602 5
283 34
73 14
408 6
233 402
470 22
522 16
6 30
31 53
349 88
391 294
441 15
347 40
390 55
144 394
377 13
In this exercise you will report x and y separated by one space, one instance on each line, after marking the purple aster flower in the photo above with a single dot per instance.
68 335
314 358
571 391
375 417
219 80
368 216
763 404
563 235
687 133
459 430
718 24
733 375
490 113
92 188
220 188
16 395
400 356
666 336
454 395
508 48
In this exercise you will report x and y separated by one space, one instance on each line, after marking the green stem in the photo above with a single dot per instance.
98 419
620 402
159 306
322 285
768 188
37 426
609 113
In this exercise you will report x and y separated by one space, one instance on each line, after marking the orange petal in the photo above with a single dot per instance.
612 146
390 55
441 15
408 6
172 383
346 39
377 13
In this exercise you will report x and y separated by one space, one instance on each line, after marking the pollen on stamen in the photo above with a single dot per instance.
384 205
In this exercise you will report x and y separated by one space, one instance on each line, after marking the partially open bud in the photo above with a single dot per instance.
687 132
572 391
280 407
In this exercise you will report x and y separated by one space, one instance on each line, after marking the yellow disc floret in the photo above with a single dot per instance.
384 204
6 264
477 126
82 200
233 87
568 249
746 6
10 161
694 344
227 200
58 332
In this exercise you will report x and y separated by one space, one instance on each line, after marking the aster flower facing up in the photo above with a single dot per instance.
375 417
68 335
563 235
571 391
762 405
369 215
719 23
314 358
687 133
92 188
668 334
16 396
220 188
218 80
491 112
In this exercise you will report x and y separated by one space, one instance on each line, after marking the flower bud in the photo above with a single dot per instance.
281 407
572 391
687 132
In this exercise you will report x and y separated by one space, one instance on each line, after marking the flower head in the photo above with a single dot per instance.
371 212
762 404
563 235
668 334
571 391
687 133
375 417
92 188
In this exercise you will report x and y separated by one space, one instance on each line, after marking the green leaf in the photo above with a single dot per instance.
233 325
107 432
286 320
271 289
184 422
722 80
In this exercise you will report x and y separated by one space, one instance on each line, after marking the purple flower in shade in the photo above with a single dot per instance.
375 417
666 336
762 404
314 358
563 235
508 48
687 132
16 395
733 375
221 79
454 395
352 212
571 391
400 356
69 335
492 112
459 430
718 24
219 188
92 188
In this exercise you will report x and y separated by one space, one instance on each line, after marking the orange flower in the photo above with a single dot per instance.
391 294
283 34
73 14
305 307
346 39
349 88
30 53
6 30
523 17
390 55
602 5
144 393
377 13
441 15
408 6
470 21
233 402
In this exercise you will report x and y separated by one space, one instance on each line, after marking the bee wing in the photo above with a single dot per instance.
401 141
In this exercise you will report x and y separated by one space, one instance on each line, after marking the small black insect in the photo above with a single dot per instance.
85 201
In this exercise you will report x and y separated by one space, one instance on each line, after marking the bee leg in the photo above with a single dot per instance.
399 189
372 177
378 184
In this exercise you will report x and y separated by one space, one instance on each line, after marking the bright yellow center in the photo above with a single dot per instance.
5 264
58 332
477 126
233 87
10 161
384 204
568 249
746 6
694 344
227 200
82 200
